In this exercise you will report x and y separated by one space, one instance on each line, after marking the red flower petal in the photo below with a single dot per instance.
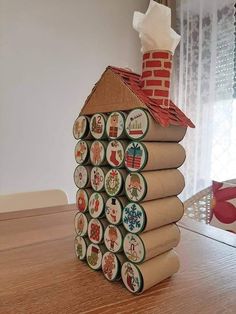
225 212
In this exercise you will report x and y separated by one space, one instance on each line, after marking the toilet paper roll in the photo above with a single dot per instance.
81 128
94 255
113 238
98 178
115 127
82 199
96 229
82 152
81 244
97 203
81 221
114 208
82 176
115 153
98 125
114 182
98 153
111 265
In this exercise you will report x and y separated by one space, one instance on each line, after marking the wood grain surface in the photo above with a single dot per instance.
40 274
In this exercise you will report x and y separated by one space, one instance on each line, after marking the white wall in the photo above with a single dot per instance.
52 52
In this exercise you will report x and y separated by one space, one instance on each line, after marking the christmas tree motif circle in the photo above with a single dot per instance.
81 152
96 205
134 218
113 238
135 156
98 125
81 176
136 124
95 231
81 127
110 266
82 200
97 153
131 277
94 256
113 182
115 125
113 210
81 224
115 154
134 248
80 247
135 187
97 179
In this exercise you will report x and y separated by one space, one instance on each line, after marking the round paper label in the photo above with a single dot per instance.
96 205
135 156
81 152
97 125
81 176
135 187
82 200
131 277
95 231
136 124
113 182
133 218
115 125
81 224
97 153
113 210
113 238
94 256
115 154
80 247
80 127
110 266
133 248
97 178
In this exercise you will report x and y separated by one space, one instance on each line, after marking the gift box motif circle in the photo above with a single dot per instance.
136 124
94 256
81 127
113 239
135 156
115 154
115 125
81 224
98 125
80 247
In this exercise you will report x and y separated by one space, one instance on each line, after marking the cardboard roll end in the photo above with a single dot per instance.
114 182
134 218
80 247
98 178
115 125
115 154
94 256
82 199
98 125
113 239
82 176
81 127
97 204
136 156
81 224
136 124
111 266
98 153
135 187
113 210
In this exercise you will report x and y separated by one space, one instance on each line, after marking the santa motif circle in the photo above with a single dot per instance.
81 224
94 256
110 266
115 154
113 210
95 231
134 248
97 153
80 247
113 182
135 187
131 277
97 178
81 127
82 200
97 125
96 205
81 152
135 156
113 238
115 125
133 218
81 177
136 124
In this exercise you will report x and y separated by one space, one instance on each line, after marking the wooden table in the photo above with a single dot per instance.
40 274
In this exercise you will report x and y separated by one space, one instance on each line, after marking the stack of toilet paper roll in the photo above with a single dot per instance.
127 202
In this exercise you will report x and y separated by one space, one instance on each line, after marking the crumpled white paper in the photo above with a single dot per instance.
154 28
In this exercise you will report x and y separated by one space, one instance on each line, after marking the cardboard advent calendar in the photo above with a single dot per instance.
128 155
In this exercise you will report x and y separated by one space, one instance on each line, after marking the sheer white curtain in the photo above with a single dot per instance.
203 88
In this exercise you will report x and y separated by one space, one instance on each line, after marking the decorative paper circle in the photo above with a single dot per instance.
81 127
135 187
134 248
111 266
81 224
134 218
81 176
81 152
115 154
82 200
80 247
113 182
95 231
113 210
97 178
97 153
113 238
97 125
94 256
136 124
96 205
115 125
131 277
135 156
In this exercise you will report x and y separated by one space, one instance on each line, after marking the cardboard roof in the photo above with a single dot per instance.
120 89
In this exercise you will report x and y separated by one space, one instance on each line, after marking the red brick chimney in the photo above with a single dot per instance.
155 78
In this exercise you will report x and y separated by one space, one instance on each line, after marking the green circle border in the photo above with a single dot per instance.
144 215
87 224
122 208
123 161
105 123
122 240
95 269
144 254
123 132
103 181
105 149
102 214
83 187
122 183
145 185
140 276
81 259
84 135
140 138
146 156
